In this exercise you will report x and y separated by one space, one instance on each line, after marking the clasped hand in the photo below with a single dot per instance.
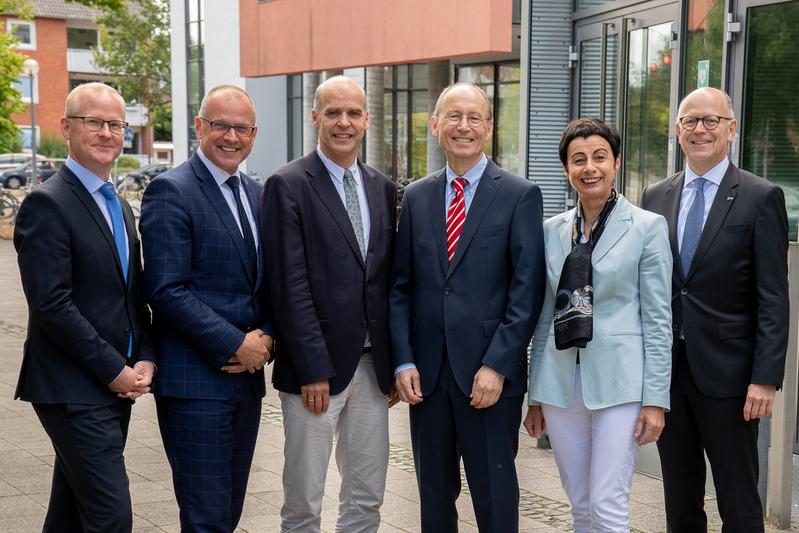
252 355
133 382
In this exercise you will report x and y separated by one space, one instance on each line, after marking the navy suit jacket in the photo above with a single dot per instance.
328 297
81 310
482 308
197 284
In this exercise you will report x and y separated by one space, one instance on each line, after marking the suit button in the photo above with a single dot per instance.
364 324
126 331
684 291
447 291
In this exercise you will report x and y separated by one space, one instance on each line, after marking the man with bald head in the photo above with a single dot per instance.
86 356
204 281
328 227
466 291
729 236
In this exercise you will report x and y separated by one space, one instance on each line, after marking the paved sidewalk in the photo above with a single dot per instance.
26 459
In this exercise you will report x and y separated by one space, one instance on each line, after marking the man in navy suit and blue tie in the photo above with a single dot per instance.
86 356
729 238
204 282
467 288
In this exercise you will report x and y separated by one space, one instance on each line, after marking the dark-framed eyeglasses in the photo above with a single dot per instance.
94 124
454 118
710 122
242 130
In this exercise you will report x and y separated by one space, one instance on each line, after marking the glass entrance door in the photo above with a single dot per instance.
626 62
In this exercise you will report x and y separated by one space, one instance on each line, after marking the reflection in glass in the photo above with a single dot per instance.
645 148
81 38
477 74
402 135
418 134
704 41
590 69
770 143
507 135
509 73
388 133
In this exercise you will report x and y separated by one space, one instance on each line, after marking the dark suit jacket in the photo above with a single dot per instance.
483 306
81 311
734 299
325 297
196 282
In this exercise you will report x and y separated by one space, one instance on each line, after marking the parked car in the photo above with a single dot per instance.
9 161
139 178
18 177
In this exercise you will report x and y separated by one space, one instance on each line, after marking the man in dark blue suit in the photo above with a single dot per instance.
86 355
467 288
204 283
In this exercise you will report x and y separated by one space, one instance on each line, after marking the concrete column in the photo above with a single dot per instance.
374 104
437 79
310 81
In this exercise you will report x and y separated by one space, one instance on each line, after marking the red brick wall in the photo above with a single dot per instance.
51 53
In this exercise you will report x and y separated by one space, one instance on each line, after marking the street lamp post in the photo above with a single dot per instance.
30 68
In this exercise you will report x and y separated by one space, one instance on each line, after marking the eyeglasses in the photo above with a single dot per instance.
710 122
242 130
94 124
455 118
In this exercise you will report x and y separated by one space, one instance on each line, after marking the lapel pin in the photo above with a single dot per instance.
729 198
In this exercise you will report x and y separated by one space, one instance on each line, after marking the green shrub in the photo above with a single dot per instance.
128 162
52 146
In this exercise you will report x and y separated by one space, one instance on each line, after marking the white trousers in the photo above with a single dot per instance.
358 418
595 452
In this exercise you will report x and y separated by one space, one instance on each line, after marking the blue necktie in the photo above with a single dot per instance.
693 226
118 223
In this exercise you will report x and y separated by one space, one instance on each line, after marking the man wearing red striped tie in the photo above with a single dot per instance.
466 289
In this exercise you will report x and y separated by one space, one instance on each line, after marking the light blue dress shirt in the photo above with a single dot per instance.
337 177
220 177
93 182
713 177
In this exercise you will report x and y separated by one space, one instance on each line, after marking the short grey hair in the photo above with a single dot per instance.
72 103
226 87
477 88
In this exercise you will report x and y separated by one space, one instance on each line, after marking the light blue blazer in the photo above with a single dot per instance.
629 357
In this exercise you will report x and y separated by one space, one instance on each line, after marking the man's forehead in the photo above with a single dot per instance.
463 96
99 102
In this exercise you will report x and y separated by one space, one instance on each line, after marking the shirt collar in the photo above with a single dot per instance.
89 179
334 169
472 175
219 175
715 174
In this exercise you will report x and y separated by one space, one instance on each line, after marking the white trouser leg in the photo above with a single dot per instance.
595 453
362 452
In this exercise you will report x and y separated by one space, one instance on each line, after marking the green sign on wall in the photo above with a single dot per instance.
702 73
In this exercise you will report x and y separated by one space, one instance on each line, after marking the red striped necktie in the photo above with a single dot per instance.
456 216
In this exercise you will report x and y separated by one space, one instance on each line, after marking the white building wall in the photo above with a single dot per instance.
221 40
179 105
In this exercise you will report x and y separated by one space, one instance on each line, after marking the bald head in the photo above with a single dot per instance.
226 92
464 87
707 94
336 84
76 95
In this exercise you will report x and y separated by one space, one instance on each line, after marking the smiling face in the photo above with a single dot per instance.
463 143
590 168
94 150
341 119
705 148
226 150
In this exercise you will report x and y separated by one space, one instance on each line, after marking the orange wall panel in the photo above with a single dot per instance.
292 36
51 54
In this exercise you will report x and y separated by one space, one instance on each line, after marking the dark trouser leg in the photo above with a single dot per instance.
89 480
245 434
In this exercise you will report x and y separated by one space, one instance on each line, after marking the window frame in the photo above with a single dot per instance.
10 23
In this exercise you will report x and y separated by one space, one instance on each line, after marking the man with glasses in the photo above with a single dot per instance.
86 355
204 282
729 237
467 287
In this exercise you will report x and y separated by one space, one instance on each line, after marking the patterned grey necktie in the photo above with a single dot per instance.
354 209
693 226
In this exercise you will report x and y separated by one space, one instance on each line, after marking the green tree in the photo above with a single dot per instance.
136 54
10 70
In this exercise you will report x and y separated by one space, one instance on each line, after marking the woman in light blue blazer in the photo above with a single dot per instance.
601 355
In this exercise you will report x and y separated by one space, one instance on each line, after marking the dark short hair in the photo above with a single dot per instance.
586 127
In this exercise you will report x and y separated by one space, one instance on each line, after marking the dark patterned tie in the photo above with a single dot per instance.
456 216
246 230
693 226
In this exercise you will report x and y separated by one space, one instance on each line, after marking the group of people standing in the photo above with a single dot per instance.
667 324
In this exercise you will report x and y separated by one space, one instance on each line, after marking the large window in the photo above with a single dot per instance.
703 44
24 31
81 38
501 83
294 92
405 123
195 76
23 85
